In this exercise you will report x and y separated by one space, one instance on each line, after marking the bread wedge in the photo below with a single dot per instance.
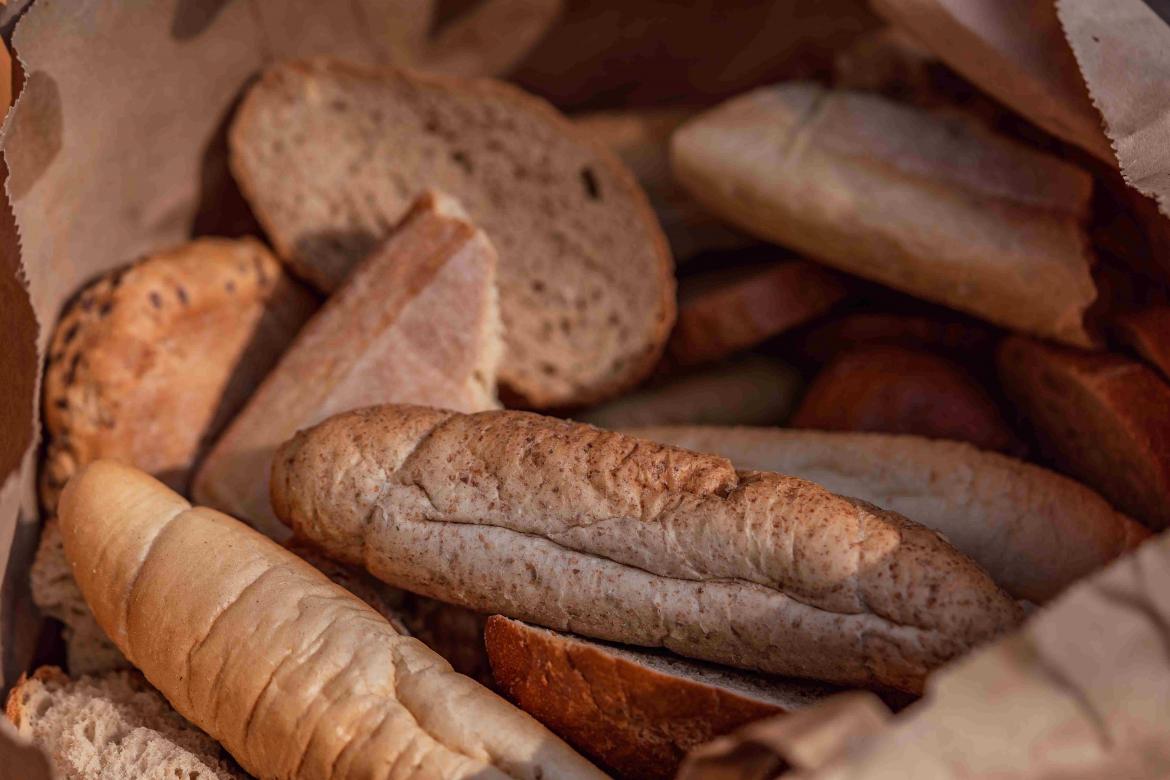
935 207
751 390
417 322
288 671
574 528
331 156
112 727
724 312
891 389
1100 417
636 713
1033 530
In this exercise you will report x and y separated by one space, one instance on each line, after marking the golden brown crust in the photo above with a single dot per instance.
636 720
151 360
1101 417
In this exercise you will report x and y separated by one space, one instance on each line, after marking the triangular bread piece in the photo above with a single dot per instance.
417 322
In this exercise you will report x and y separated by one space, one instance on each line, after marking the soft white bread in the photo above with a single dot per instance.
575 528
936 207
331 156
416 322
112 727
290 672
1034 531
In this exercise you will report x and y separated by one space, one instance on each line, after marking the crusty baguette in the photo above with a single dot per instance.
751 390
288 671
1101 417
417 322
112 727
641 138
1032 529
575 528
330 157
891 389
1147 331
149 362
636 713
938 208
723 312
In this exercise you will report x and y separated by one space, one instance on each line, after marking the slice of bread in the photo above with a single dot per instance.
635 712
113 727
723 312
331 156
751 390
891 389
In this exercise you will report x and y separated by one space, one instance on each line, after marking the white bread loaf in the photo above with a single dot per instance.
295 676
1034 531
578 529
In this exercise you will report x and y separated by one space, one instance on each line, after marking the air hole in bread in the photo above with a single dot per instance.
589 182
460 158
339 106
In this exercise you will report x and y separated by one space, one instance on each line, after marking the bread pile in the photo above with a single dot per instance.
452 473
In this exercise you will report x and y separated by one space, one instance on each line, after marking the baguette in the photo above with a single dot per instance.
574 528
724 312
889 389
330 157
1033 530
1100 417
634 712
288 671
374 341
935 207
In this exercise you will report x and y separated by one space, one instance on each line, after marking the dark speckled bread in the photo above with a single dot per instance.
574 528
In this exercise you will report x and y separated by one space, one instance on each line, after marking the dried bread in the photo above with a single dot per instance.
288 671
727 311
750 390
112 727
1100 417
574 528
1034 531
892 389
932 206
330 157
416 322
636 713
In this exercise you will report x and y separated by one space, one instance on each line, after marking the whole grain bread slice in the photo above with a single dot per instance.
633 711
330 157
113 726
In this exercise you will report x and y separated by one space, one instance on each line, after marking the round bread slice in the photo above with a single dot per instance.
635 712
112 727
149 362
331 156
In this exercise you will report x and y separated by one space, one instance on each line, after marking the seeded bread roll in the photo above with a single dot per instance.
291 673
1034 530
578 529
330 157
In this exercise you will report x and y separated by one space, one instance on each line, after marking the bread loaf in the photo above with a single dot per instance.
577 529
935 207
1100 417
1032 529
890 389
635 712
290 672
416 322
331 156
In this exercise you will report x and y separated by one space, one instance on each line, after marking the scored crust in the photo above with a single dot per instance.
151 360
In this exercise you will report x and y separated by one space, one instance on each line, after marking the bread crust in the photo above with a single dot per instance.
1034 531
634 719
532 382
290 672
567 526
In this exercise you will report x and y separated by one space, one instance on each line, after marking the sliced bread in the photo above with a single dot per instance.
113 727
633 711
331 156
